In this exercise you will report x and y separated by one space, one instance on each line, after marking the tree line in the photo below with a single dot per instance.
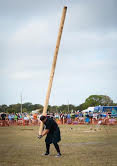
91 101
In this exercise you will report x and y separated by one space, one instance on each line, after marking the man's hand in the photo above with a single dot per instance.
39 136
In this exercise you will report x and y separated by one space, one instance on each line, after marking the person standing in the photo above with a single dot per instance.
3 116
52 133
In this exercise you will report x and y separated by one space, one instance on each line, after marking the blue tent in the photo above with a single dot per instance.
109 109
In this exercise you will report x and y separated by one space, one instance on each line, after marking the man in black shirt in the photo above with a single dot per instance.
3 116
53 134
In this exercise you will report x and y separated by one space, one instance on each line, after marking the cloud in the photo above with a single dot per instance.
87 56
90 41
34 34
23 75
25 9
93 15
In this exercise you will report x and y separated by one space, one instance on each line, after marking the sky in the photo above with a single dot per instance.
87 58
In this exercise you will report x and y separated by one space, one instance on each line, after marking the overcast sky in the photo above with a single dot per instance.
87 59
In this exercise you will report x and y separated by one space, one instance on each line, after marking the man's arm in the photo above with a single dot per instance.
44 132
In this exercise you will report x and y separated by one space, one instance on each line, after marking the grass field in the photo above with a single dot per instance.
80 146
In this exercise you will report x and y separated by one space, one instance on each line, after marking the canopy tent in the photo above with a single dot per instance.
89 109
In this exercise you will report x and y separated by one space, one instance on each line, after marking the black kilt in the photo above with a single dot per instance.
53 137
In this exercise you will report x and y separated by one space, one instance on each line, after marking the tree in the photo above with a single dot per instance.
91 101
49 108
81 107
96 100
53 109
24 110
3 108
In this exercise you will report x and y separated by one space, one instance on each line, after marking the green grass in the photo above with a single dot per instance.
79 146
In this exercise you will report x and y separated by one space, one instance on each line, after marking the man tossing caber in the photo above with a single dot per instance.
53 134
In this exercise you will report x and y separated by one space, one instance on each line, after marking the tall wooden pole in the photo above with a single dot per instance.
53 66
68 106
21 103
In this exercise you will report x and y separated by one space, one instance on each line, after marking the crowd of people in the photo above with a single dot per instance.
8 119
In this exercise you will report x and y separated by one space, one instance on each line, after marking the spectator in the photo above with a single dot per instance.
4 122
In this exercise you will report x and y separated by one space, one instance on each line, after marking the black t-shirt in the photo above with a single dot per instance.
3 116
51 125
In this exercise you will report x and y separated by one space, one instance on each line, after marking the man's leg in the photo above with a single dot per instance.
57 149
47 149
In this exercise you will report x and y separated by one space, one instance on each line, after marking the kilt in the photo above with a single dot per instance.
53 137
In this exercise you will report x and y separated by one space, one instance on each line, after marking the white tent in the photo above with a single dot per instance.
88 109
35 111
